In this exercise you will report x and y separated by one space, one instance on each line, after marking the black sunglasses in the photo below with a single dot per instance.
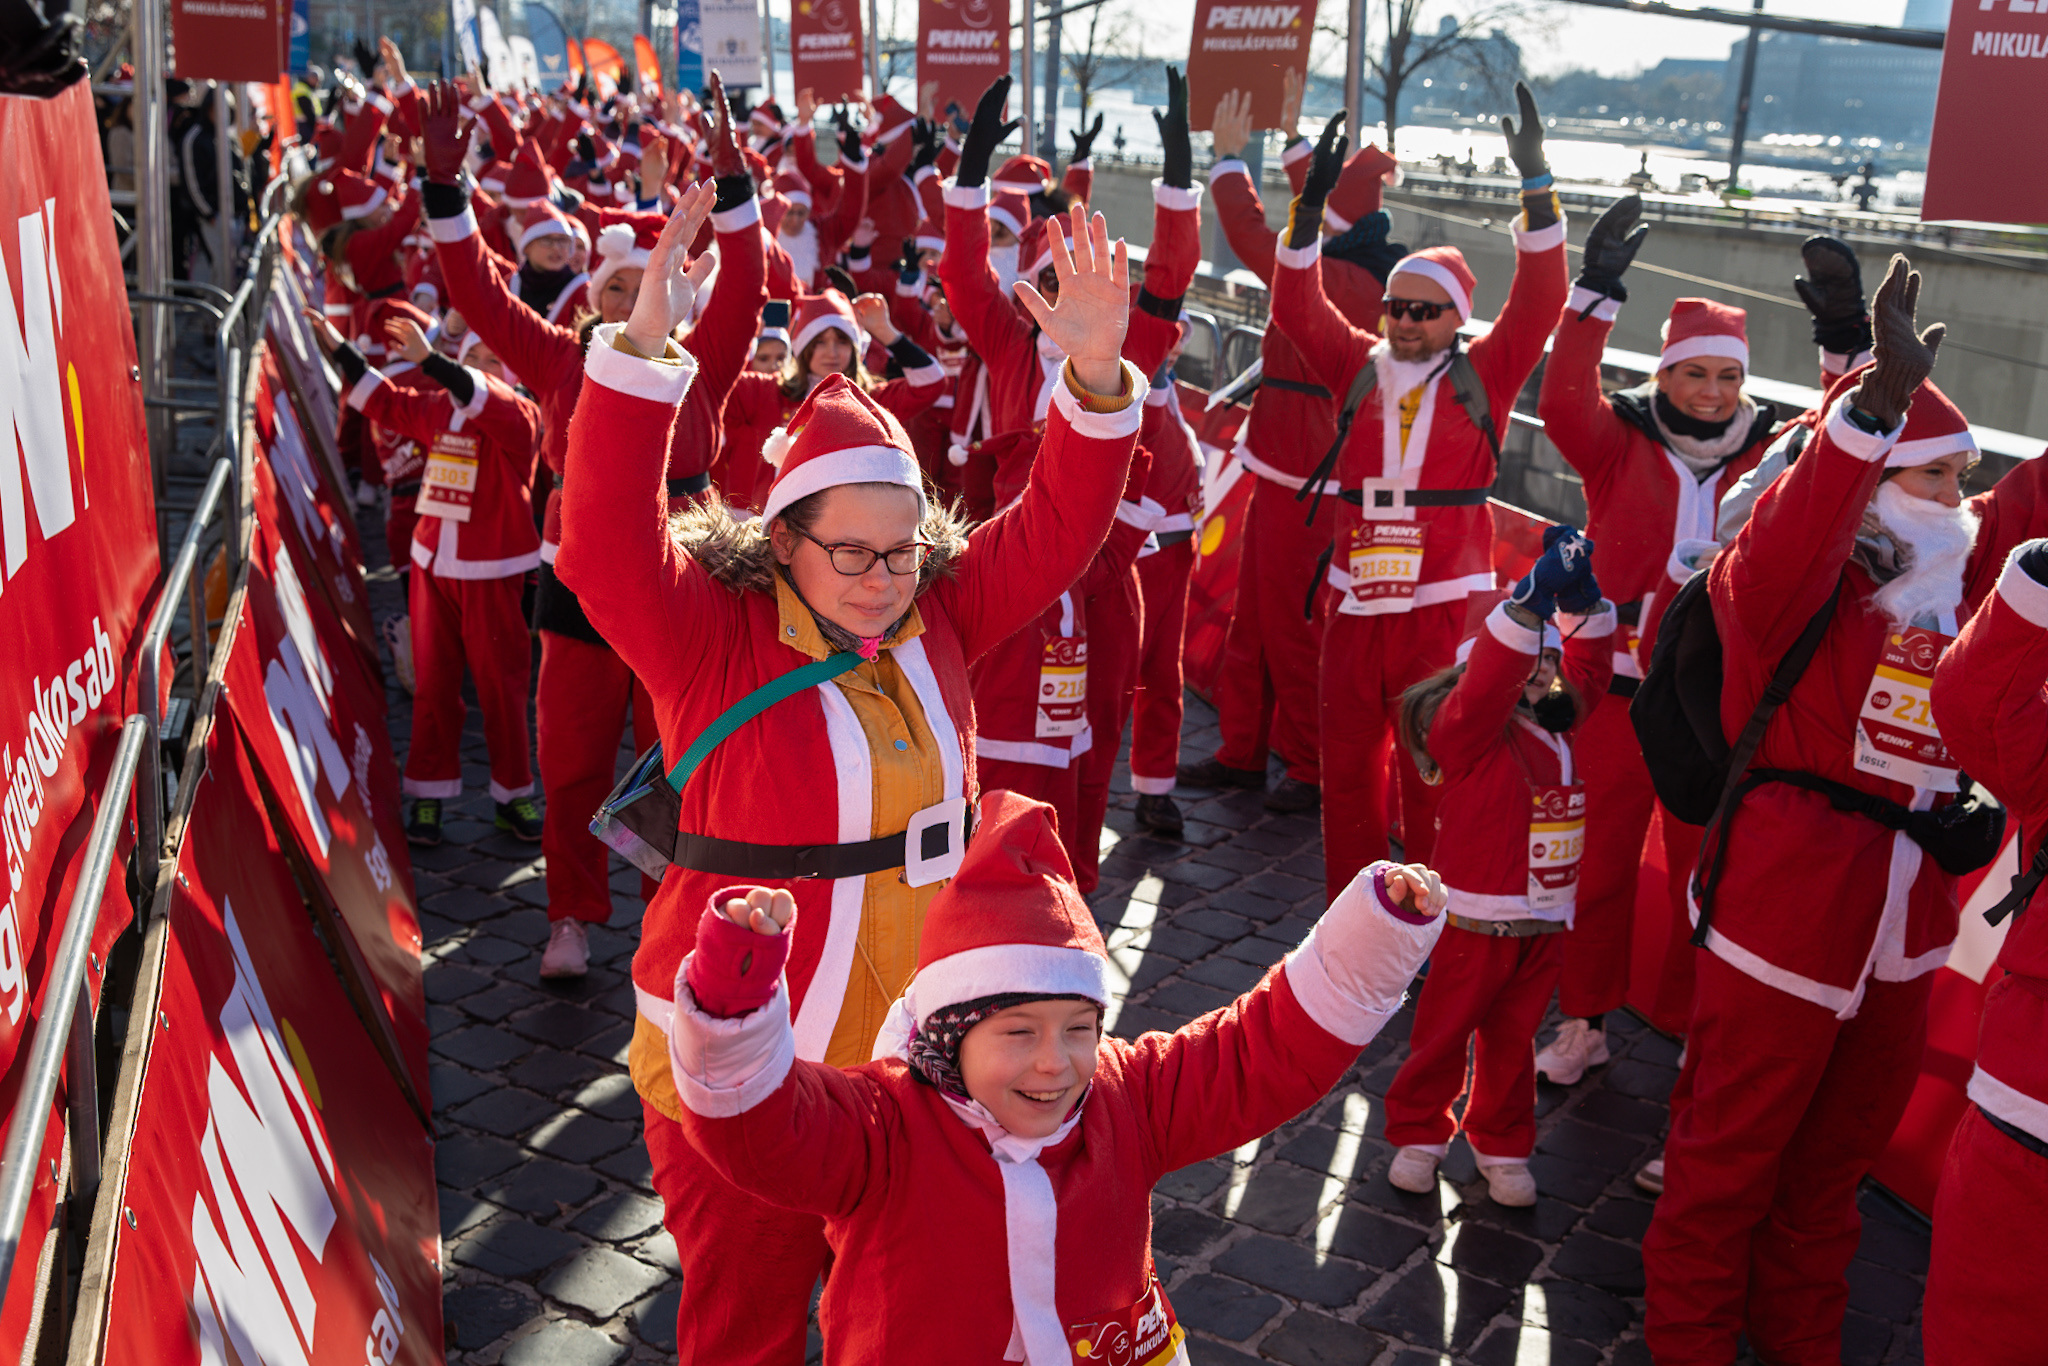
1421 312
855 560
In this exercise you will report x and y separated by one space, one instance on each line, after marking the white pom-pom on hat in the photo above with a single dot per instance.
776 447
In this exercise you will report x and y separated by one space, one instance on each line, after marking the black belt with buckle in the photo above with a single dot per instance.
1420 498
1167 538
794 862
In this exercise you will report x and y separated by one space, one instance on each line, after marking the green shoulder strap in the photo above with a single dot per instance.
753 704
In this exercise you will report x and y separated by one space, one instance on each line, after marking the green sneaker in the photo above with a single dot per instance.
424 825
521 816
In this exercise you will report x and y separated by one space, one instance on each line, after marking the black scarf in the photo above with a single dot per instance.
538 289
1365 244
1679 424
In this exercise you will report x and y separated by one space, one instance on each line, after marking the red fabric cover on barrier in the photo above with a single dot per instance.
1226 493
824 48
962 45
315 725
282 1191
78 562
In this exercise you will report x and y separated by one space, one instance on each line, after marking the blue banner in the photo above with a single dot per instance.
302 33
550 47
689 47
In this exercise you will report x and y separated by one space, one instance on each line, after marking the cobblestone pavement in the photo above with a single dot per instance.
1293 1249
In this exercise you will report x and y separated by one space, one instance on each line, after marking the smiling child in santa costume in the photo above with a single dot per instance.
1000 1143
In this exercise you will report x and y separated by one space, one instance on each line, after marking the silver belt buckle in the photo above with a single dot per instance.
1383 500
934 842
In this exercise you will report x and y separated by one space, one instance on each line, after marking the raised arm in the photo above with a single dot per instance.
1176 249
723 338
1238 206
1989 697
1506 356
1330 346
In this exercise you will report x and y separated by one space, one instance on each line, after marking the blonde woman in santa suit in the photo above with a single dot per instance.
854 791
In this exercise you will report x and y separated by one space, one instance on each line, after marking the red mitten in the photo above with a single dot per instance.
732 971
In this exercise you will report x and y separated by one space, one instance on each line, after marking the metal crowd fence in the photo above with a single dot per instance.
61 1045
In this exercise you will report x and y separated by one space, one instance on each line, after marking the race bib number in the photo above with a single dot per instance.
1062 688
448 486
1386 561
1896 737
1557 841
1146 1334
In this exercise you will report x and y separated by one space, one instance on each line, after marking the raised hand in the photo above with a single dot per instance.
1525 142
1290 104
924 136
1562 577
323 330
1084 139
1230 131
1904 356
1832 290
1095 300
667 290
1611 246
725 142
1179 170
445 128
393 62
985 133
1417 890
806 105
406 338
872 312
1305 217
761 910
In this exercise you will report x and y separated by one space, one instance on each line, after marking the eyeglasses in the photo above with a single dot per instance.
855 560
1421 312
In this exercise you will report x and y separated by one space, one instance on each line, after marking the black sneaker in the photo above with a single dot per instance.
521 816
1214 773
424 825
1159 814
1293 795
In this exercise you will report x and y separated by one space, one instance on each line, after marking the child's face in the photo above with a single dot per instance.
1540 681
1029 1064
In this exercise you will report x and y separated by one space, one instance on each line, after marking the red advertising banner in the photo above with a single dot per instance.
962 45
280 1192
77 563
230 40
824 49
1995 61
1246 47
314 724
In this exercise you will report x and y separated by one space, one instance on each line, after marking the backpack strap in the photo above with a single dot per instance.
1470 392
1789 670
1362 383
753 704
2022 890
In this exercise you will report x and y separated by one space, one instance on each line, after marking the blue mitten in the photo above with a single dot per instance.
1561 578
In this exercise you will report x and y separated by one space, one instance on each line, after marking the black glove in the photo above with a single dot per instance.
837 277
910 265
1611 246
1832 290
2033 558
1173 133
924 135
984 134
366 60
849 145
586 148
1305 217
1525 143
1084 138
567 199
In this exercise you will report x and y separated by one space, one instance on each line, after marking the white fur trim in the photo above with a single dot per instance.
1431 270
1299 258
1521 639
925 375
1352 971
1173 197
1853 440
829 321
2022 591
1229 166
1001 969
1719 346
1337 221
1499 906
658 381
547 227
1539 239
1152 787
453 229
855 465
738 216
1605 310
1033 752
444 788
776 448
369 206
1143 514
359 396
1102 426
479 385
2009 1103
1591 626
1926 450
853 785
958 196
724 1068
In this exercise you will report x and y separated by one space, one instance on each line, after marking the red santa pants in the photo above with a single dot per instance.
1162 690
1268 681
475 622
1984 1282
1058 788
1115 622
1671 1011
748 1266
584 690
1498 988
1619 800
398 525
1367 663
1789 1108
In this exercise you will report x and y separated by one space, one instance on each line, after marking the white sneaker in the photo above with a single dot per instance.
1510 1184
1651 1176
568 953
1413 1169
1577 1047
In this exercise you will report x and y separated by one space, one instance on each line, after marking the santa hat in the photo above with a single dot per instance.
1357 192
1701 327
493 174
894 121
1027 175
1034 246
838 435
620 246
1010 922
764 121
928 237
1446 266
1011 209
323 207
326 146
357 195
793 187
527 182
382 311
1478 607
423 275
817 313
471 340
1935 427
543 219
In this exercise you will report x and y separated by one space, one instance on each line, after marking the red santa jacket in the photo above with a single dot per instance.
548 359
1444 450
755 406
699 647
501 431
1993 712
1642 501
2012 513
1814 901
1175 482
913 1186
1494 756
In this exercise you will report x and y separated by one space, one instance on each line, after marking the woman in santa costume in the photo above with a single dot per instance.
1655 461
584 687
1001 1149
473 543
1497 731
849 568
1413 534
1983 1281
1822 916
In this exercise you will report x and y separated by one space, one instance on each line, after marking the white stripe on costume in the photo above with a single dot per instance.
854 769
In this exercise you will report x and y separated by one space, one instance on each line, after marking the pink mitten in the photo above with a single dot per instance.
733 970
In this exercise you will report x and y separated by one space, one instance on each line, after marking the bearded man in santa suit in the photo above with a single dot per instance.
1822 917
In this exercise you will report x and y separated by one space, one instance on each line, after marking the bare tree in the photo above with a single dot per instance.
1406 47
1114 50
